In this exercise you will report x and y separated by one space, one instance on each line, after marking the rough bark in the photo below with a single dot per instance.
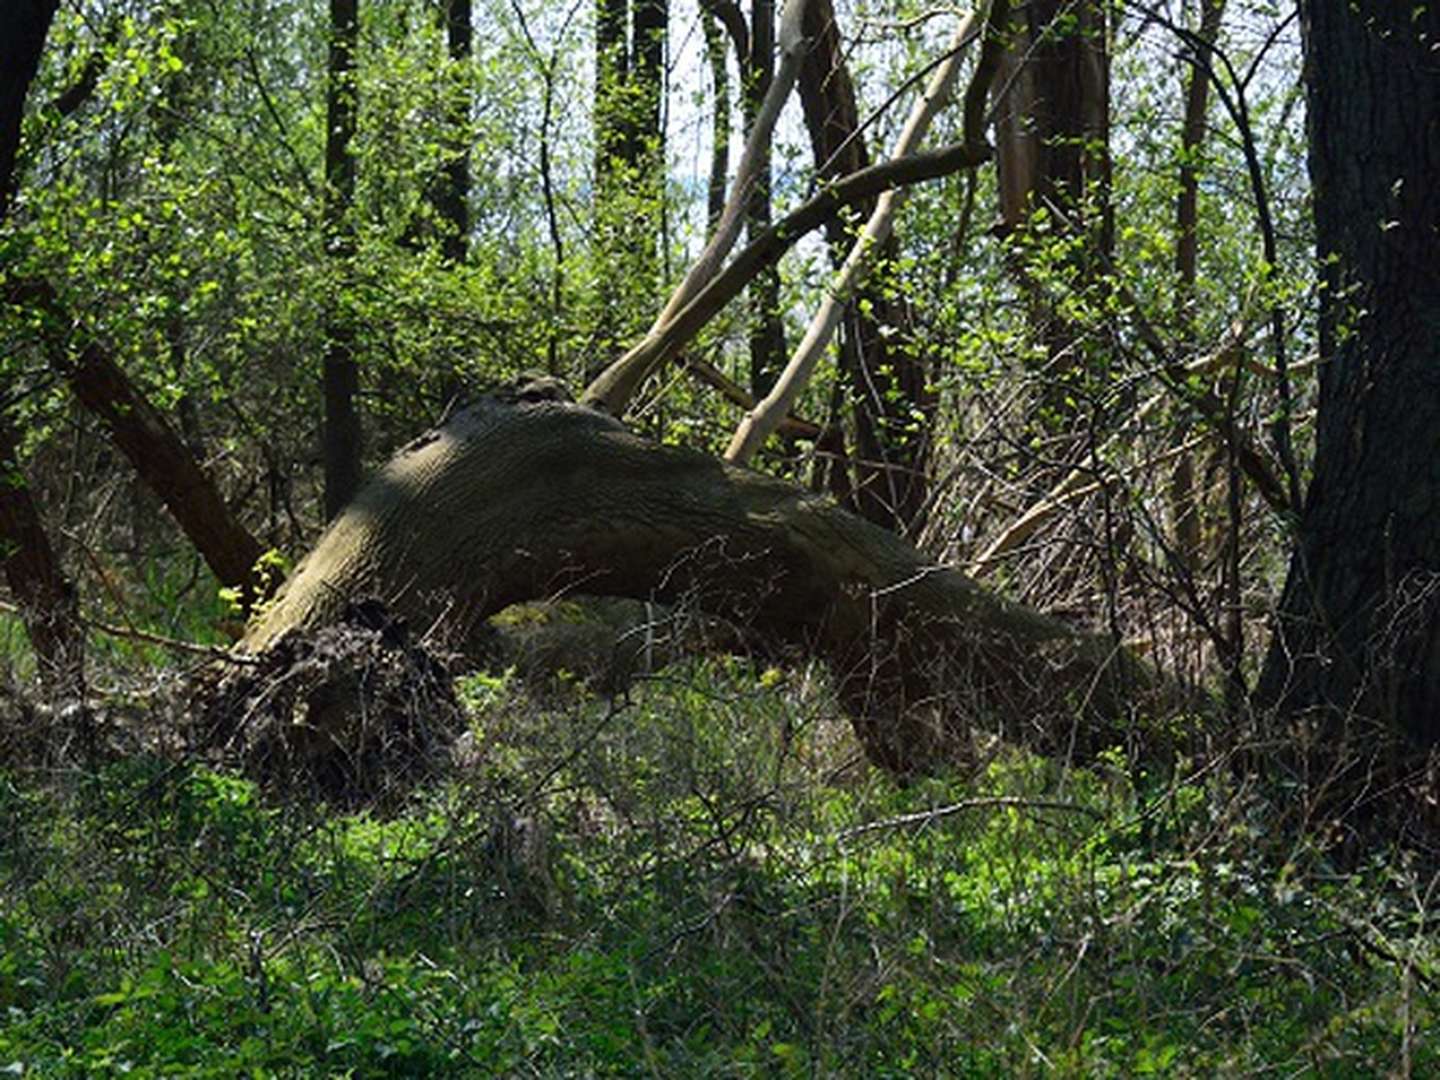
1053 124
519 498
767 328
341 377
1358 634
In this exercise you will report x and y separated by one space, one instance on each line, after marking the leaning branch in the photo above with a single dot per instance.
613 389
766 417
752 163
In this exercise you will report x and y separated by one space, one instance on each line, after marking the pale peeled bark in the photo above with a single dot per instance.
767 416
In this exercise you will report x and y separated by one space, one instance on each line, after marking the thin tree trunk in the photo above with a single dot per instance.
454 202
614 388
884 386
1184 500
341 378
43 593
767 328
767 416
719 121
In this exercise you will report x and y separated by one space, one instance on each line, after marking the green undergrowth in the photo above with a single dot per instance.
701 879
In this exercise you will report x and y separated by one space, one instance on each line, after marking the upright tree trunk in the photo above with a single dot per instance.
42 592
715 54
1052 155
37 582
453 203
1358 633
27 25
767 328
341 379
1184 500
887 386
630 38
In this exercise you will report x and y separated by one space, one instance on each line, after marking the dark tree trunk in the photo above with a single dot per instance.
612 67
1053 126
453 203
767 328
715 54
159 454
1183 496
1052 135
341 379
630 38
646 135
886 386
1358 634
43 594
27 25
169 469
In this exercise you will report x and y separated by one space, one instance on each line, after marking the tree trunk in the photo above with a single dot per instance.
1052 135
1358 633
20 48
43 594
886 387
453 203
767 328
628 118
518 498
715 54
341 378
1184 499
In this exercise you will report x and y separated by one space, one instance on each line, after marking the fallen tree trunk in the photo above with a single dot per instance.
517 497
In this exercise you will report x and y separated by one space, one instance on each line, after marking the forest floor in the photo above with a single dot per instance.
699 877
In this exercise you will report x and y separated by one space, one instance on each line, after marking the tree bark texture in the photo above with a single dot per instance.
1358 633
1053 125
886 386
341 377
767 328
514 499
